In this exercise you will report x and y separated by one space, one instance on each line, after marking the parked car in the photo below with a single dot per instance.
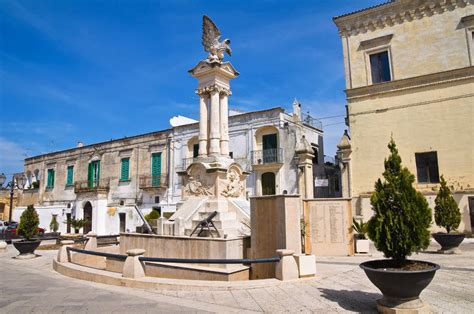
11 230
3 226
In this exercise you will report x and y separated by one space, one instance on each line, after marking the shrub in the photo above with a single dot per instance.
29 222
402 216
54 225
447 214
154 214
360 228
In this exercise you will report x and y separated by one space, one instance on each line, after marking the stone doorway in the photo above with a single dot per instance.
122 218
268 183
88 216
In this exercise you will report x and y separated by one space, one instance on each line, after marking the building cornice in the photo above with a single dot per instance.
410 83
392 13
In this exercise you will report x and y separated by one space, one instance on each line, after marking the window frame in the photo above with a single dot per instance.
427 168
122 178
69 183
50 178
368 68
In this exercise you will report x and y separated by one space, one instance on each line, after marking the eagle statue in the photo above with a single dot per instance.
210 41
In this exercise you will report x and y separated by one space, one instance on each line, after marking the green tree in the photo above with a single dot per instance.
29 222
154 214
447 214
400 224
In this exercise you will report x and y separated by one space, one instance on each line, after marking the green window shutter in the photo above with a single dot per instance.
156 169
98 171
50 183
90 175
70 175
125 169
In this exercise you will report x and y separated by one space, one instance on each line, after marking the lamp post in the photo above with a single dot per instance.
17 182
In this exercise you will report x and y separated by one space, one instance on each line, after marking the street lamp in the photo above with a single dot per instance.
18 181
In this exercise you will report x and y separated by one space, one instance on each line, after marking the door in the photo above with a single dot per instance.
122 218
93 174
156 169
268 183
87 216
471 212
68 223
269 145
195 150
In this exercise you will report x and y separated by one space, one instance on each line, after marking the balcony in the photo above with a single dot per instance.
267 156
309 120
101 185
152 182
185 163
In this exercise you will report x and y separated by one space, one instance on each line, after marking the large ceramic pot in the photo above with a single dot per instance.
26 247
398 286
448 241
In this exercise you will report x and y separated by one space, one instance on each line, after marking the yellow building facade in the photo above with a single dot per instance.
409 74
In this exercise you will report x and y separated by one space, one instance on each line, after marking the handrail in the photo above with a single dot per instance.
274 259
108 236
103 254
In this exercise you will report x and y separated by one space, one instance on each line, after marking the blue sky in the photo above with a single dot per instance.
93 71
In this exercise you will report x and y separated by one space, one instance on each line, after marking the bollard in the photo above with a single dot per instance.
3 246
286 268
62 253
92 242
133 267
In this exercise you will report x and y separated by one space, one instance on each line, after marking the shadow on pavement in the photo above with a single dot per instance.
353 300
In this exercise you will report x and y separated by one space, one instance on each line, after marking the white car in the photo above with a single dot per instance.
3 226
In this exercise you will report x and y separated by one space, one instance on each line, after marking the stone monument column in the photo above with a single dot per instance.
224 119
203 116
344 151
214 132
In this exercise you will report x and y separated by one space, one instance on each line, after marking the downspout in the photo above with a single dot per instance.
169 172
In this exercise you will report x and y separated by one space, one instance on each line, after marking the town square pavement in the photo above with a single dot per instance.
32 286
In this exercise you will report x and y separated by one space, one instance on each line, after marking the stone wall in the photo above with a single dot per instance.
275 224
329 227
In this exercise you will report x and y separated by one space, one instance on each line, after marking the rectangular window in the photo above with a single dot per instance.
380 67
195 150
427 167
125 170
70 176
156 169
50 183
93 174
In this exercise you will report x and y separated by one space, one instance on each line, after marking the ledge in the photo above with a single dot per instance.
410 83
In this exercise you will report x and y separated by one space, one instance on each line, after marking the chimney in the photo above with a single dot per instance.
80 144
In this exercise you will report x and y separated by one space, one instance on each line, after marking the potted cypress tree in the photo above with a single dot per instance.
362 244
54 225
28 228
398 228
448 216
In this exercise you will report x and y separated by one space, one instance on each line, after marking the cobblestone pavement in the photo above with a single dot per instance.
341 286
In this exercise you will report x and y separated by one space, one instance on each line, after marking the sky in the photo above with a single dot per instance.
95 70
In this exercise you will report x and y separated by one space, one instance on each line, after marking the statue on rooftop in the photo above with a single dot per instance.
210 41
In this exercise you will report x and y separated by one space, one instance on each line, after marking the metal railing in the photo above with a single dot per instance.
92 185
267 156
185 163
274 259
147 182
329 161
309 120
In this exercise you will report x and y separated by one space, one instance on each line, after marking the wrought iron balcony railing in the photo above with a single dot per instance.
185 163
150 182
102 185
309 120
267 156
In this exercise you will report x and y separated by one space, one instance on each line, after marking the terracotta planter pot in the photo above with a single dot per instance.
398 287
448 241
